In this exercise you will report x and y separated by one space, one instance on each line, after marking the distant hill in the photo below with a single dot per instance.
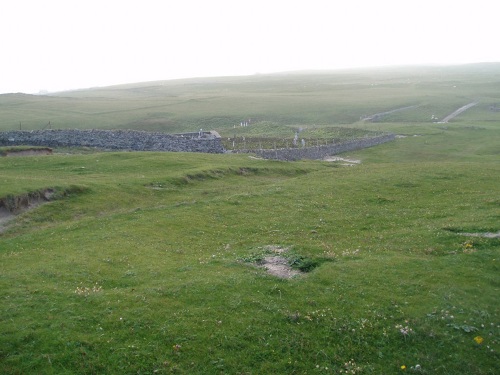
277 102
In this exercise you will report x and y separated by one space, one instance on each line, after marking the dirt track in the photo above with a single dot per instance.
457 112
378 116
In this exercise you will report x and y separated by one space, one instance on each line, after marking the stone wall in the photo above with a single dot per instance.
320 152
208 142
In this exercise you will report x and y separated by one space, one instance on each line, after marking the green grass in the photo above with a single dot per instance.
145 263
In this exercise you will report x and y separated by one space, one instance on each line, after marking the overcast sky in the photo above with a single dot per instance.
58 45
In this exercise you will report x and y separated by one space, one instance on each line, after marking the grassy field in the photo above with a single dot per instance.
144 262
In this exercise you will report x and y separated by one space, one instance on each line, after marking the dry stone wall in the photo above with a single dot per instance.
208 142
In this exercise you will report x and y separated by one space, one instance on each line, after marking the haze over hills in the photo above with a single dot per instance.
386 72
296 99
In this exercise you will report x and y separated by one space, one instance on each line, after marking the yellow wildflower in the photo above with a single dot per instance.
478 339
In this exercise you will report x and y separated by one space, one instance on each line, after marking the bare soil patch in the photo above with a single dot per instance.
5 217
10 207
276 263
482 234
348 162
278 266
28 152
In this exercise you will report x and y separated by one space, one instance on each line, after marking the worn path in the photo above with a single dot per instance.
378 116
457 112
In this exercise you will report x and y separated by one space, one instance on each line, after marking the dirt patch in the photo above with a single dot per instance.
283 262
28 152
406 136
348 162
483 234
276 263
278 266
12 206
5 217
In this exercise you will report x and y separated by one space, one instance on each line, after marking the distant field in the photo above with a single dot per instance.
283 103
151 263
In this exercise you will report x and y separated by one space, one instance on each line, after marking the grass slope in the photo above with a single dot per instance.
141 264
142 270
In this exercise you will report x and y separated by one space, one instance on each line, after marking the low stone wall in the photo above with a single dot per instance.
208 142
320 152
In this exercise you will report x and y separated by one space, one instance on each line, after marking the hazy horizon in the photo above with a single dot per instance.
257 74
58 45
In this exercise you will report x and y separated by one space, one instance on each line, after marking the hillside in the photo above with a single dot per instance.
379 261
282 103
